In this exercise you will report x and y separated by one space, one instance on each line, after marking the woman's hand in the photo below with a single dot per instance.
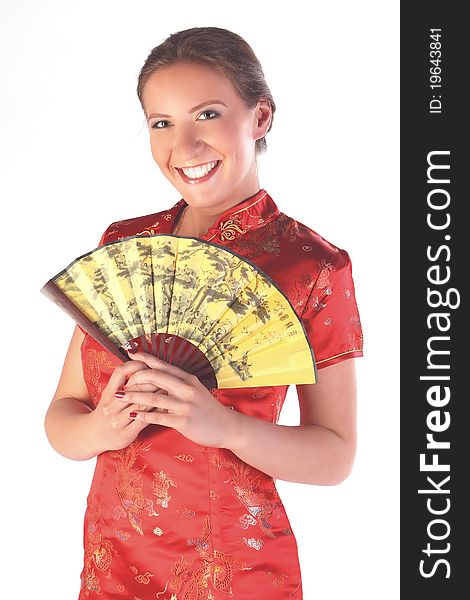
181 402
113 428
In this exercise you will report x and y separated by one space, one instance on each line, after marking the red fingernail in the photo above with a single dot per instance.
119 395
132 415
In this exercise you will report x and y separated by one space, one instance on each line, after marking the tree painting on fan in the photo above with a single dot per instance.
194 304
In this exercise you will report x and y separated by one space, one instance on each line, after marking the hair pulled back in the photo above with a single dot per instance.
219 49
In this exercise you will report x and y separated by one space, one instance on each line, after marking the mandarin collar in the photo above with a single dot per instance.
250 213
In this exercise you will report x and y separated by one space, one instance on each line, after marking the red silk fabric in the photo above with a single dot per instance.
170 519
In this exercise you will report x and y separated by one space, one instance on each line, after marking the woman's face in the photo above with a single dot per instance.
198 122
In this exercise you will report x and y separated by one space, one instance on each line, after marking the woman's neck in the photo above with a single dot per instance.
196 221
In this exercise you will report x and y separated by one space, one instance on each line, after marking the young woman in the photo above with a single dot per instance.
183 503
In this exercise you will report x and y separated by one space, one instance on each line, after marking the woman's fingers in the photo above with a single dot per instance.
143 387
123 372
168 377
188 406
122 396
149 400
144 418
156 363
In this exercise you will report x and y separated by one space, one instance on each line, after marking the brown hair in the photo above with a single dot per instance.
221 50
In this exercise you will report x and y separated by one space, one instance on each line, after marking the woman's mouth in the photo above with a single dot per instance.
200 173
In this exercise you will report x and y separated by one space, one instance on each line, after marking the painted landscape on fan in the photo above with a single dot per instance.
189 302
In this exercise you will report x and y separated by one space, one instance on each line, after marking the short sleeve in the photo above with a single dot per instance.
100 243
331 317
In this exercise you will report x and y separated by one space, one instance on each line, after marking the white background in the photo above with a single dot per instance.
75 156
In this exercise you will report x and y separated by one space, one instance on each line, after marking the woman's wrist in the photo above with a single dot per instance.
71 429
233 438
93 435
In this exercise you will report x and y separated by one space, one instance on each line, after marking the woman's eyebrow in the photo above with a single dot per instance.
197 107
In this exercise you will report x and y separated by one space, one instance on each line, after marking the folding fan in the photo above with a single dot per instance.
191 303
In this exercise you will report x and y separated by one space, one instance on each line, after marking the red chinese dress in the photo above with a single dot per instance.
169 519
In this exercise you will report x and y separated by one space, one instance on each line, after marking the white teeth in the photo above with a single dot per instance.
197 172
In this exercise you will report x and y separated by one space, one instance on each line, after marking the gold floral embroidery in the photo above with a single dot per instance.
229 228
128 485
217 570
246 520
98 556
300 291
145 578
289 228
278 581
90 581
122 536
185 458
161 484
323 280
249 492
94 363
142 578
146 232
150 230
158 594
306 281
185 513
263 240
253 543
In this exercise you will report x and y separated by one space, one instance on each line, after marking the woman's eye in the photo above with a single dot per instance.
207 116
209 112
158 125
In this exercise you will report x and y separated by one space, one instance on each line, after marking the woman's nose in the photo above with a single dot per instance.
187 144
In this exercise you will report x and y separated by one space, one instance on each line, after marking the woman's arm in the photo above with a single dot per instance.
322 448
73 428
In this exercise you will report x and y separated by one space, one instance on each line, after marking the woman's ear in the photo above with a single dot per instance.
263 113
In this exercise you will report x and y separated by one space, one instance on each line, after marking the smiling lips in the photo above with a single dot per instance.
200 173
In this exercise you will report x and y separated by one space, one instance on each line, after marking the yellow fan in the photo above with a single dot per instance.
191 303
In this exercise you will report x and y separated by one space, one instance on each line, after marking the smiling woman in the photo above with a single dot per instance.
205 149
183 503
